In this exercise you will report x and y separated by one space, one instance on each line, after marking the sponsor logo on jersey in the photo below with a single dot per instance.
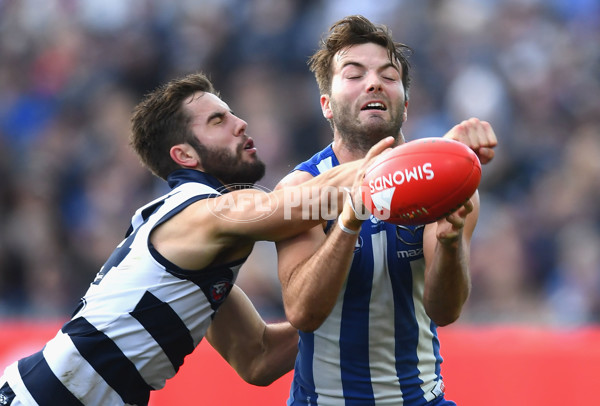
410 235
220 290
410 253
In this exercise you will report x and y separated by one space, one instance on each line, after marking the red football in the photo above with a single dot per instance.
421 181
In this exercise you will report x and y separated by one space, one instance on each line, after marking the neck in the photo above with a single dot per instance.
346 153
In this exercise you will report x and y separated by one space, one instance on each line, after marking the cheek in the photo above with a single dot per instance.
344 98
343 90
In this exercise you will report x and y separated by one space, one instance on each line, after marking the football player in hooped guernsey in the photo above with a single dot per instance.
368 296
171 280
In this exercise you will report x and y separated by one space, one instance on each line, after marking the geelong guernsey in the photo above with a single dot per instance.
140 317
378 346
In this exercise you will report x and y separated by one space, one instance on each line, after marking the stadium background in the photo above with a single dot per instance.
71 71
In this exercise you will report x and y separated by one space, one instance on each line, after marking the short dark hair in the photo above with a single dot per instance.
159 122
355 30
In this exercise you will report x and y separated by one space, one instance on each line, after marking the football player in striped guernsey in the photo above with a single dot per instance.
368 296
171 281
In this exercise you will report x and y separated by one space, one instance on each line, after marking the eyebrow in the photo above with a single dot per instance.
216 114
360 65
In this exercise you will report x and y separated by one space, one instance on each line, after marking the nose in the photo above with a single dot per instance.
240 128
374 83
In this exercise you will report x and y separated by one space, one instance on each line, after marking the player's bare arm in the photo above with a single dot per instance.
446 246
309 293
221 229
260 353
224 228
446 243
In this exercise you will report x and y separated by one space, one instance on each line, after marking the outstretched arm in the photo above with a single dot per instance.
259 352
224 228
446 243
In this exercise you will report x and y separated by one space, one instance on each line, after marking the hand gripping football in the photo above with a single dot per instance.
421 181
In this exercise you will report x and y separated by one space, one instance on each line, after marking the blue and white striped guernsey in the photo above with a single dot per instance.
140 317
378 346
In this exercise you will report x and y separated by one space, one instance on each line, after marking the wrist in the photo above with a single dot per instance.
349 227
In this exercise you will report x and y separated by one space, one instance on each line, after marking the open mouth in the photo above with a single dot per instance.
249 144
374 106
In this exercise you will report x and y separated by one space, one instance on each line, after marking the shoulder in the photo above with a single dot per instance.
320 162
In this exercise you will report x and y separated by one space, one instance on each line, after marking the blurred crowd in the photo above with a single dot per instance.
72 70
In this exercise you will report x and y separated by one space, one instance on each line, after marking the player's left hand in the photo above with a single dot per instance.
449 229
477 135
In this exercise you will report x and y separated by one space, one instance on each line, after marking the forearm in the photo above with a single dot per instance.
311 289
448 283
285 212
258 352
261 363
280 347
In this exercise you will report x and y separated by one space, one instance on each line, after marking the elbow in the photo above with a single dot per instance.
259 376
446 320
444 317
265 370
304 320
258 372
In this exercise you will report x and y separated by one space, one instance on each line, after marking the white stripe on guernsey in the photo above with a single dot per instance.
425 350
63 357
325 165
139 346
326 365
186 300
382 341
22 395
125 331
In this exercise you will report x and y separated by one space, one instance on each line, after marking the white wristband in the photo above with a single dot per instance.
344 228
349 194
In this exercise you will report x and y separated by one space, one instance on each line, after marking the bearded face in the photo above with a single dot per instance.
229 167
363 133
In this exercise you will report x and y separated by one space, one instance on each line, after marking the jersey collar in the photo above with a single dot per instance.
181 176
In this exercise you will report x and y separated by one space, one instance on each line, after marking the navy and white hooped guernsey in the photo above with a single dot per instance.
138 320
378 346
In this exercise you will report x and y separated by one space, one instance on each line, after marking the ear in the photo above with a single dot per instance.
325 107
185 156
405 114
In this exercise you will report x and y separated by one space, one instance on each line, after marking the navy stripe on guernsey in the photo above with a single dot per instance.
303 377
406 331
109 361
163 324
43 385
352 331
